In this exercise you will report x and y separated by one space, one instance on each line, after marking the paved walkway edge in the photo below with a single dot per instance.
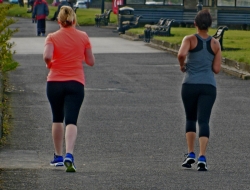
231 67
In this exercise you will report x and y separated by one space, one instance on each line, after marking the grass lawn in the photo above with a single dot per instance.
84 16
236 42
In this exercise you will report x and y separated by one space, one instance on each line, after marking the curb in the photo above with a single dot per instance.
231 67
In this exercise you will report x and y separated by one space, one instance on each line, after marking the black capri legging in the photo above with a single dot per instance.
65 100
198 100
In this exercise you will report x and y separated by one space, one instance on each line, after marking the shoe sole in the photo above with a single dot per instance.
201 166
69 166
188 163
58 164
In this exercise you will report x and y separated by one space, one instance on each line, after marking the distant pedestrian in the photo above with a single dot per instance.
199 57
31 5
39 14
21 3
64 53
62 3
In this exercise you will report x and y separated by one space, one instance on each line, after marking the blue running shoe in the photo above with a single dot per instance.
58 161
189 160
69 163
202 164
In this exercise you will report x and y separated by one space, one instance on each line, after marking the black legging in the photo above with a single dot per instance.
41 26
198 100
65 100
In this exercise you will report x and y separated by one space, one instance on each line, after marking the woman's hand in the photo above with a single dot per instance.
183 68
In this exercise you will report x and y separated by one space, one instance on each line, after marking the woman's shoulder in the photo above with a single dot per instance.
81 33
190 36
215 44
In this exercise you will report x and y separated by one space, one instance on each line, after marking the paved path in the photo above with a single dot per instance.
131 126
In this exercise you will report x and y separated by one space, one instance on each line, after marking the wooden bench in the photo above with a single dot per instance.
103 19
161 22
219 34
161 30
132 23
147 31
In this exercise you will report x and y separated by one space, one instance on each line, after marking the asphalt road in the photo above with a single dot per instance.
131 126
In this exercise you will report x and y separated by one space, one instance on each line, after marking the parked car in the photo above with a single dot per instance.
81 5
13 1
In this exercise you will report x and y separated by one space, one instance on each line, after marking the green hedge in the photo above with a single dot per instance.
7 63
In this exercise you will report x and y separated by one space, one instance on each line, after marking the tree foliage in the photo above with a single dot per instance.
7 63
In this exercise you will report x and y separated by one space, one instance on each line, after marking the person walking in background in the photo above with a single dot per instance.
39 14
64 53
199 58
62 3
31 5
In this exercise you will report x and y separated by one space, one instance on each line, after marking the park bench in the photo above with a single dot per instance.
133 22
160 22
147 31
159 29
163 30
103 19
219 35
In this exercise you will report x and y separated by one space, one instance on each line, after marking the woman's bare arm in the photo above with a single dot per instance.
183 51
89 57
48 54
217 58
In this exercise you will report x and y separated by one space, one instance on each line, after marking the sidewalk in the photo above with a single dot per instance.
131 126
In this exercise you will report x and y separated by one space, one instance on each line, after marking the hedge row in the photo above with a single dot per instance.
7 63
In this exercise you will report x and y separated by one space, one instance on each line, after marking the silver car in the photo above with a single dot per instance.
81 4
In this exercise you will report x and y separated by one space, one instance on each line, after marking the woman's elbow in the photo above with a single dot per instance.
216 70
90 62
89 57
47 60
181 57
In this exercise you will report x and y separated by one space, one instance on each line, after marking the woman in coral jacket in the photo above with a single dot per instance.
65 52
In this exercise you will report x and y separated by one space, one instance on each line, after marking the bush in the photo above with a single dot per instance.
7 62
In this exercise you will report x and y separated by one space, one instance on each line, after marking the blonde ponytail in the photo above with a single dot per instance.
67 16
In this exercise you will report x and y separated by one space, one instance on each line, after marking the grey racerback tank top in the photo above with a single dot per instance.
199 63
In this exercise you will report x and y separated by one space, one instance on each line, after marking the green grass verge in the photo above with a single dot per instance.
84 16
235 42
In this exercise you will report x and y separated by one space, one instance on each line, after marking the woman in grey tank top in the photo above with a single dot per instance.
200 58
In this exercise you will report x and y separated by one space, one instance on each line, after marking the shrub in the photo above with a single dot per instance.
7 63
